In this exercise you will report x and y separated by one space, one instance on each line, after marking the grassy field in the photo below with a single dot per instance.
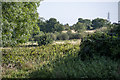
54 61
59 59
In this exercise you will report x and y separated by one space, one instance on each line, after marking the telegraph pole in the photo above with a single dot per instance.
119 12
108 17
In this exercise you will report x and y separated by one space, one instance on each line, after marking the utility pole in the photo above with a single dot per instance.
108 17
119 12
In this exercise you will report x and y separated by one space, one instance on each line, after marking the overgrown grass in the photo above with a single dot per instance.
55 61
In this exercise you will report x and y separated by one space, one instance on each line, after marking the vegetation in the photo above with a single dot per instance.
50 25
55 61
98 23
87 22
95 55
19 22
100 44
63 36
79 27
45 39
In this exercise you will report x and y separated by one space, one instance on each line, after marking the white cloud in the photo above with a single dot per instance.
81 0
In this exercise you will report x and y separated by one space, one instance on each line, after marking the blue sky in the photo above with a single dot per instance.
69 12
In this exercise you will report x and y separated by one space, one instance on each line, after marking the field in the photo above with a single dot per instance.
54 61
60 59
35 47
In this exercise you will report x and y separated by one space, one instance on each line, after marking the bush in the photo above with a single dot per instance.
116 29
74 35
63 36
45 39
36 37
53 36
75 68
54 61
77 36
100 44
70 34
8 43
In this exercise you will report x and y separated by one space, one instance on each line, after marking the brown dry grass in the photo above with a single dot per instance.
74 42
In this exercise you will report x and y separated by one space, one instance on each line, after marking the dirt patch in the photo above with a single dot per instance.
58 42
90 31
73 31
74 42
5 48
64 31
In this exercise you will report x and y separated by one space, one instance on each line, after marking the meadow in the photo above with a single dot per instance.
35 47
55 61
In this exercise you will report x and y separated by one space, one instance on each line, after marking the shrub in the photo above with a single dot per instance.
70 34
77 36
53 36
100 44
74 35
63 36
55 61
45 39
36 37
116 29
75 68
8 43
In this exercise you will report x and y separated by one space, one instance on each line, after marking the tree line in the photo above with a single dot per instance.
20 22
52 25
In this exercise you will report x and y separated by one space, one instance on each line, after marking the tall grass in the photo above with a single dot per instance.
55 61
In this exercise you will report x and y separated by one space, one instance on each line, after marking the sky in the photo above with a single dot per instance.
68 11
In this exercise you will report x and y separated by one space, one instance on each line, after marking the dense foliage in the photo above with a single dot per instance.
115 29
79 27
18 22
63 36
97 56
55 61
51 25
87 22
99 22
45 39
101 44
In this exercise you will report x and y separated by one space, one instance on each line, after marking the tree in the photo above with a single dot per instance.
87 22
58 27
99 22
67 27
45 39
79 27
51 25
19 21
42 24
81 20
